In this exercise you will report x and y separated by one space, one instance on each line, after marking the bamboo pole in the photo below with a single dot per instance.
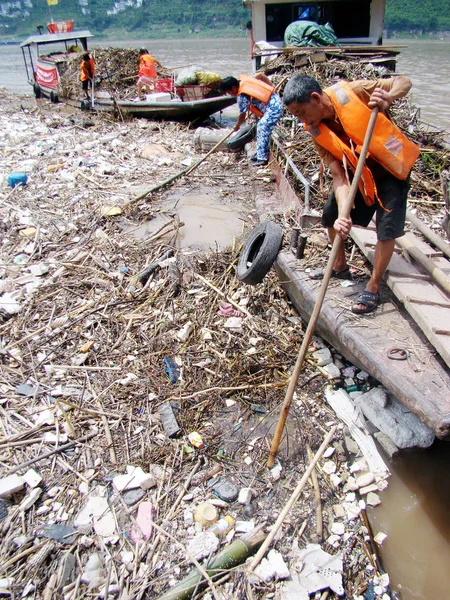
434 238
231 556
186 171
292 500
318 305
436 273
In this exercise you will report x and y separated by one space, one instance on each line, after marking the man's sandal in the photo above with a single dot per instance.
369 300
344 274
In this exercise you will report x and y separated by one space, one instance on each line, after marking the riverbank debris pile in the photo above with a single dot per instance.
141 383
116 72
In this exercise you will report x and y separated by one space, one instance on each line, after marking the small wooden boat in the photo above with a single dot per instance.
171 111
44 70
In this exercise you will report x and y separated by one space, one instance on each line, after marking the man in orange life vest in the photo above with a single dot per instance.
337 119
147 71
87 72
256 95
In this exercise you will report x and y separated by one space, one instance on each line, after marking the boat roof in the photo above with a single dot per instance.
51 38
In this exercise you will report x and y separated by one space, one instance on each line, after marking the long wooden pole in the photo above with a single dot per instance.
276 441
185 171
292 500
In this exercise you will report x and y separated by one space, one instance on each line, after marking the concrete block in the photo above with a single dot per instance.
396 421
10 485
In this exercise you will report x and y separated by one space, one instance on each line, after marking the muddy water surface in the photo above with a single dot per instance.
414 513
209 224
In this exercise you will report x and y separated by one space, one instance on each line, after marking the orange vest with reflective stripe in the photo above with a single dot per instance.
256 89
147 66
388 146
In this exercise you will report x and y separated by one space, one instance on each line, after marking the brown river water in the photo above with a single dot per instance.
414 510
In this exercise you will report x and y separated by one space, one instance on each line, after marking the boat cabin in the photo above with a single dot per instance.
46 55
357 22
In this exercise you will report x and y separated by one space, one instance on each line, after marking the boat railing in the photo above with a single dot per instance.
289 164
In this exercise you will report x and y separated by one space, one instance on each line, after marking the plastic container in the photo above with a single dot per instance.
223 526
17 179
206 514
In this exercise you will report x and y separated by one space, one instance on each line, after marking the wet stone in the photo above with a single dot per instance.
61 533
227 491
133 496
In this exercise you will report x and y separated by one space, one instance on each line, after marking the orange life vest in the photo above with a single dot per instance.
256 89
388 146
147 66
85 70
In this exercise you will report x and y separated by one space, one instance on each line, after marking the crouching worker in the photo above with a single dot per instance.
147 72
256 95
337 119
87 72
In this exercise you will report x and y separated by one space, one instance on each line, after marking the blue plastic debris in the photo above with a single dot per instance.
17 179
171 368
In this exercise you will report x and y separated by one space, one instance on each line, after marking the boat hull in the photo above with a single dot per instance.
171 111
421 383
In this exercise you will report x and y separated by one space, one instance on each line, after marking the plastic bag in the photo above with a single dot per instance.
188 75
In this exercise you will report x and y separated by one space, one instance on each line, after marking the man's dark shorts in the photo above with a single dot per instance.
393 194
85 84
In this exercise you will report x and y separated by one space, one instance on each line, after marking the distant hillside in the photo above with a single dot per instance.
426 16
164 18
152 18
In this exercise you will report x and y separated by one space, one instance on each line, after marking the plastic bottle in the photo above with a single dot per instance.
223 526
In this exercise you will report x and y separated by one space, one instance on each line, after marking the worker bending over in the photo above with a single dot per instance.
257 96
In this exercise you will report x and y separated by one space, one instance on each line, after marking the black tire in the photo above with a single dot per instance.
259 253
245 135
54 97
37 90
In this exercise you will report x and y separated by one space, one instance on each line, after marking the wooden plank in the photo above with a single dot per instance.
427 304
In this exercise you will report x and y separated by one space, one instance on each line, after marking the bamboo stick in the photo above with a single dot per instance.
437 274
434 238
326 278
292 500
186 171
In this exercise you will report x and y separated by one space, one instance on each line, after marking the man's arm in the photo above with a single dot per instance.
240 120
384 98
341 189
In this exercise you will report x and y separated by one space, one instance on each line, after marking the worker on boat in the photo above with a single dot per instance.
147 72
87 73
337 118
257 96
